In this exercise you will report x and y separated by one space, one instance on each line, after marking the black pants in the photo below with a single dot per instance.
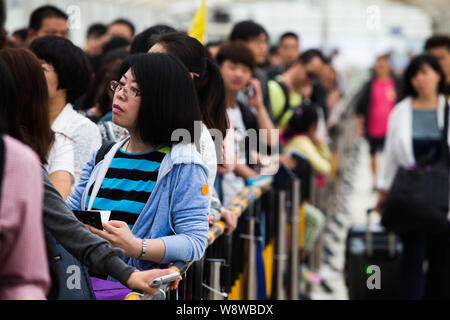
433 283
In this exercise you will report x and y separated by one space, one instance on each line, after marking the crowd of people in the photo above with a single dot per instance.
154 129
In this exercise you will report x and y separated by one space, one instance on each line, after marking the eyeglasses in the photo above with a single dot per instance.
116 87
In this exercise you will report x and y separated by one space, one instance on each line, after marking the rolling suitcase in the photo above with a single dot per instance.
372 262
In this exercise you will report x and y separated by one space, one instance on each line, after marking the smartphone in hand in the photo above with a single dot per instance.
92 218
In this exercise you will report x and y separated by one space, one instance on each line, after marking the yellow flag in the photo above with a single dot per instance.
198 27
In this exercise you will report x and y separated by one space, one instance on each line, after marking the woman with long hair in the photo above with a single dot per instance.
152 186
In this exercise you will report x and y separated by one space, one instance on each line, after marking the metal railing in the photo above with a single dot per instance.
269 237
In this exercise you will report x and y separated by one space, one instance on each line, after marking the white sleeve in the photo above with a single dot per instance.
61 157
208 153
390 162
87 140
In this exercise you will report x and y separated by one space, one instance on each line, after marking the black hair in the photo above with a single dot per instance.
96 30
288 34
414 67
70 62
273 50
119 53
310 54
145 40
206 76
21 33
236 52
168 98
247 30
437 41
8 103
301 121
115 43
45 12
213 43
126 22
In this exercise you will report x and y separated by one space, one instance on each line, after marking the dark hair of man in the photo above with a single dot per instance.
288 34
8 104
273 50
70 62
310 54
125 22
206 76
413 69
45 12
115 43
21 33
301 121
96 30
236 52
438 41
32 100
246 31
168 98
145 40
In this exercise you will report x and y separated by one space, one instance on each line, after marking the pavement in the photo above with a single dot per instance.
355 197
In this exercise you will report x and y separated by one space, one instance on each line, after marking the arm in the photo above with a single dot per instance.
245 171
263 118
74 200
61 165
89 249
315 158
23 267
189 214
62 180
390 164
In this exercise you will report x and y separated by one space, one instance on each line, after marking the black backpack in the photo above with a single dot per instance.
104 149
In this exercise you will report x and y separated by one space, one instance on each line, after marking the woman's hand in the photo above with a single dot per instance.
381 201
119 235
139 280
230 218
256 101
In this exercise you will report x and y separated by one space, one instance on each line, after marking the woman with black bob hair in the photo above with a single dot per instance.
414 136
210 90
68 74
153 186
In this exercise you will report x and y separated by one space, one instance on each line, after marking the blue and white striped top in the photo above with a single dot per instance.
128 184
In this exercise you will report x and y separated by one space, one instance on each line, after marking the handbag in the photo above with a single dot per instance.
70 279
418 198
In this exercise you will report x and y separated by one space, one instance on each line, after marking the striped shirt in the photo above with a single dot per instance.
128 184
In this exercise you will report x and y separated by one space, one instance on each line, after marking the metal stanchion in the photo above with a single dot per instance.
214 280
281 256
252 285
294 239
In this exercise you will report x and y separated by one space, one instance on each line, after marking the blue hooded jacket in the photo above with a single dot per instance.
177 210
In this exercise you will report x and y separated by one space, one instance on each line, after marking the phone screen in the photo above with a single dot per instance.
92 218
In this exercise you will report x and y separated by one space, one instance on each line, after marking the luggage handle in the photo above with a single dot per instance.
369 238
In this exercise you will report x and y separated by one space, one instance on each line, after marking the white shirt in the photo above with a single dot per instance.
208 153
61 156
398 149
231 183
83 132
